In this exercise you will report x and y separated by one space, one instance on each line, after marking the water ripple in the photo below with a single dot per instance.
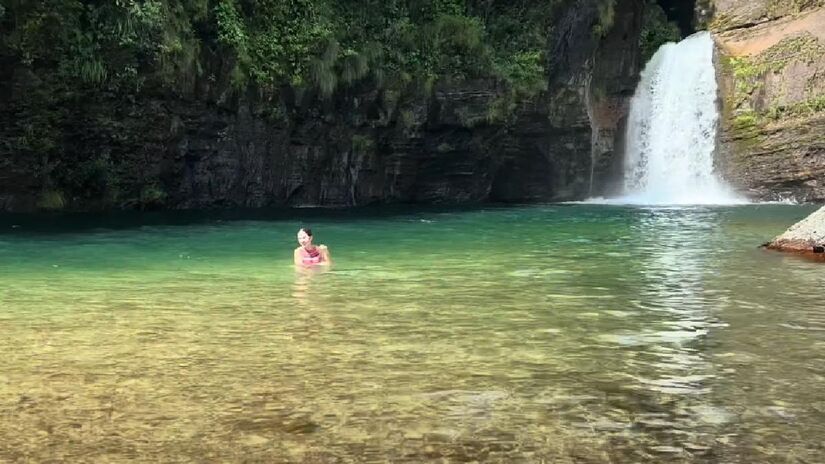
555 334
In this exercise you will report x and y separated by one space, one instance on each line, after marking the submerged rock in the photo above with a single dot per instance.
806 236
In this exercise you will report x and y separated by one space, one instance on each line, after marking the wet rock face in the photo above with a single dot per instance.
772 83
806 236
439 149
615 74
459 143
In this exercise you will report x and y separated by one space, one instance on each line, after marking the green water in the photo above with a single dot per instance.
563 333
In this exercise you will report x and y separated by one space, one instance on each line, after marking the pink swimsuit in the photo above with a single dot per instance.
311 257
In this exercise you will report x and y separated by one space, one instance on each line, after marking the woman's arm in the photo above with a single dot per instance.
326 258
296 257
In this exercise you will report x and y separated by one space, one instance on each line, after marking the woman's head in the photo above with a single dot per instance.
305 237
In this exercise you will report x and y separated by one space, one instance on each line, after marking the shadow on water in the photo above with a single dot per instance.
78 222
55 223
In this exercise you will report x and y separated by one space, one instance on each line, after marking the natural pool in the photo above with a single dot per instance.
558 333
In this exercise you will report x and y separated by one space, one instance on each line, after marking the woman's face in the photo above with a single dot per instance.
303 239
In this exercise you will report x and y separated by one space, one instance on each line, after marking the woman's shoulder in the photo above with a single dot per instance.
322 247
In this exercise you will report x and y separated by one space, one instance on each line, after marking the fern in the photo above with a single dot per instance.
322 75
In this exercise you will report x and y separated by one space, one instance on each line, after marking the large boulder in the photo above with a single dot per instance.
806 236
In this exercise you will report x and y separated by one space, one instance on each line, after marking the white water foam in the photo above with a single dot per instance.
671 133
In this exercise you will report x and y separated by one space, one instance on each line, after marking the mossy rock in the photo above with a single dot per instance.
51 200
152 195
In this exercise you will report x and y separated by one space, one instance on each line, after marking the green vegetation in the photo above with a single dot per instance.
362 144
93 178
745 120
406 119
607 15
749 73
751 109
151 195
107 44
322 44
88 68
704 15
51 200
777 8
469 118
720 22
746 75
656 31
444 147
747 130
803 47
801 109
501 109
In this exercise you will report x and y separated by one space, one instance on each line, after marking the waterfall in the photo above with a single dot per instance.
671 133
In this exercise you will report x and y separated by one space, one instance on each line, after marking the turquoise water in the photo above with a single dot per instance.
560 333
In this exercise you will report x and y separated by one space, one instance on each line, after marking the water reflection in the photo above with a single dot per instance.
669 372
598 335
305 279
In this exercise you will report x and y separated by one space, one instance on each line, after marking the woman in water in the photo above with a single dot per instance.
308 254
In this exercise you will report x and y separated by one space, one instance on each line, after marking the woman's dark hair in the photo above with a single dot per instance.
306 230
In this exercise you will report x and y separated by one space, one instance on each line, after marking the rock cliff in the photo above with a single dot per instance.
772 80
458 142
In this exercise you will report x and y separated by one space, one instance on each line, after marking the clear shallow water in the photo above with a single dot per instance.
569 333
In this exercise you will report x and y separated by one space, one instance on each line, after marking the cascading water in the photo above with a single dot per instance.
671 133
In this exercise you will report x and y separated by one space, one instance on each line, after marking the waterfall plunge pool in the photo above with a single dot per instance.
558 333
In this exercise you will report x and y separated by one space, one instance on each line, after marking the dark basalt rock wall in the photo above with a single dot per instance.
612 83
214 148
